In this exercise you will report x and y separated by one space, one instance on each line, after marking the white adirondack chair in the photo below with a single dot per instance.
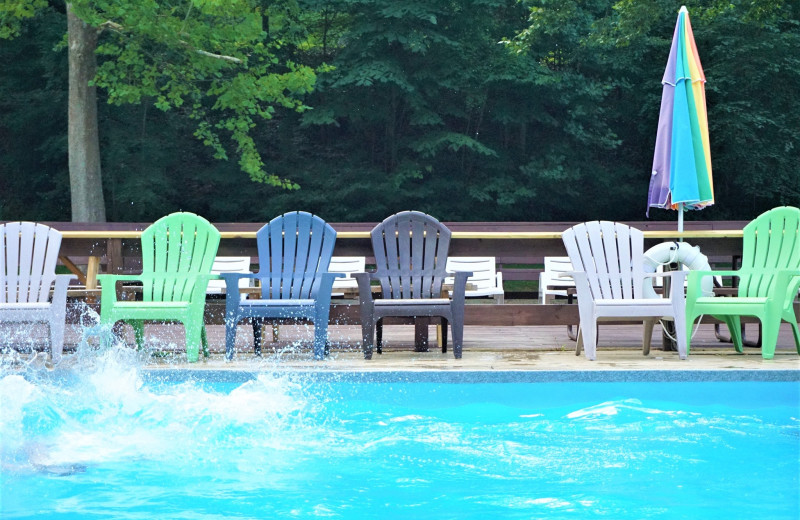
28 256
554 267
609 276
228 264
347 265
485 277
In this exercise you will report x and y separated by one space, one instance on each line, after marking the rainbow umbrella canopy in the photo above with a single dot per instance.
681 176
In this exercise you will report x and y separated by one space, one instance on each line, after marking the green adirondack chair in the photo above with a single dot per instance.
768 281
177 254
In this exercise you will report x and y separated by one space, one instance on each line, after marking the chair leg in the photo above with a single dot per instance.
204 341
258 325
680 336
379 336
648 335
457 325
367 335
194 333
106 340
769 333
138 333
421 334
444 335
589 339
57 338
320 340
230 335
734 324
796 333
321 332
689 325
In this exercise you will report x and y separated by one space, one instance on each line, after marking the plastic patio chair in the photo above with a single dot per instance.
28 256
294 253
608 258
410 251
486 279
769 279
177 255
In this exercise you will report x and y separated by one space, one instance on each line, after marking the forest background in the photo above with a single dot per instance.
471 110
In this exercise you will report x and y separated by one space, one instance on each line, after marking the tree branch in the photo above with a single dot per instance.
108 24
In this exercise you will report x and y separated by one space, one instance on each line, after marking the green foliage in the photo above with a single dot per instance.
34 182
14 13
376 106
212 61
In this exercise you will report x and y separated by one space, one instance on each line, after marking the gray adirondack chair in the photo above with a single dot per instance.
28 256
410 251
294 252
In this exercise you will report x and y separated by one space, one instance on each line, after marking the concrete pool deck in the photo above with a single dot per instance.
494 349
488 349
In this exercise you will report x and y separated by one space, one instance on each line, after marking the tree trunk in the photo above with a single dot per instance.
86 183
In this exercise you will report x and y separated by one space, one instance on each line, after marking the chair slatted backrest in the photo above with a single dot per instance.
611 254
410 250
28 256
177 244
770 242
294 250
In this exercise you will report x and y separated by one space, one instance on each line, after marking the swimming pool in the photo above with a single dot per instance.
115 441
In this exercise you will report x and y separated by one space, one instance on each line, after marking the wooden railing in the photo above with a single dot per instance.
88 249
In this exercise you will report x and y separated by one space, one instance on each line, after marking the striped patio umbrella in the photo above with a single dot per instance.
681 177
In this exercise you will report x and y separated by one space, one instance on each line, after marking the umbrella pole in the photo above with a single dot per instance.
680 220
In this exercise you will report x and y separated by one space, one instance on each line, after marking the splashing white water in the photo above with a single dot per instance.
102 411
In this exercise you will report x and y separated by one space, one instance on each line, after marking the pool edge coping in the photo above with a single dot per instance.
163 374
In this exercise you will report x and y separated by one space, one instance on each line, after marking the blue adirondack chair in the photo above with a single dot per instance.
294 252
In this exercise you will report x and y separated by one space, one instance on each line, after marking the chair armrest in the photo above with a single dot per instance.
323 294
676 285
113 278
108 282
783 284
200 287
460 286
110 296
61 285
694 280
582 288
232 285
668 274
364 286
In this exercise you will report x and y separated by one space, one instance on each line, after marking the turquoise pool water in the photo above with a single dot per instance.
112 441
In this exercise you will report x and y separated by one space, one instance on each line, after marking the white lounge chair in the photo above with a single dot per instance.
229 264
347 265
28 256
485 277
554 267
